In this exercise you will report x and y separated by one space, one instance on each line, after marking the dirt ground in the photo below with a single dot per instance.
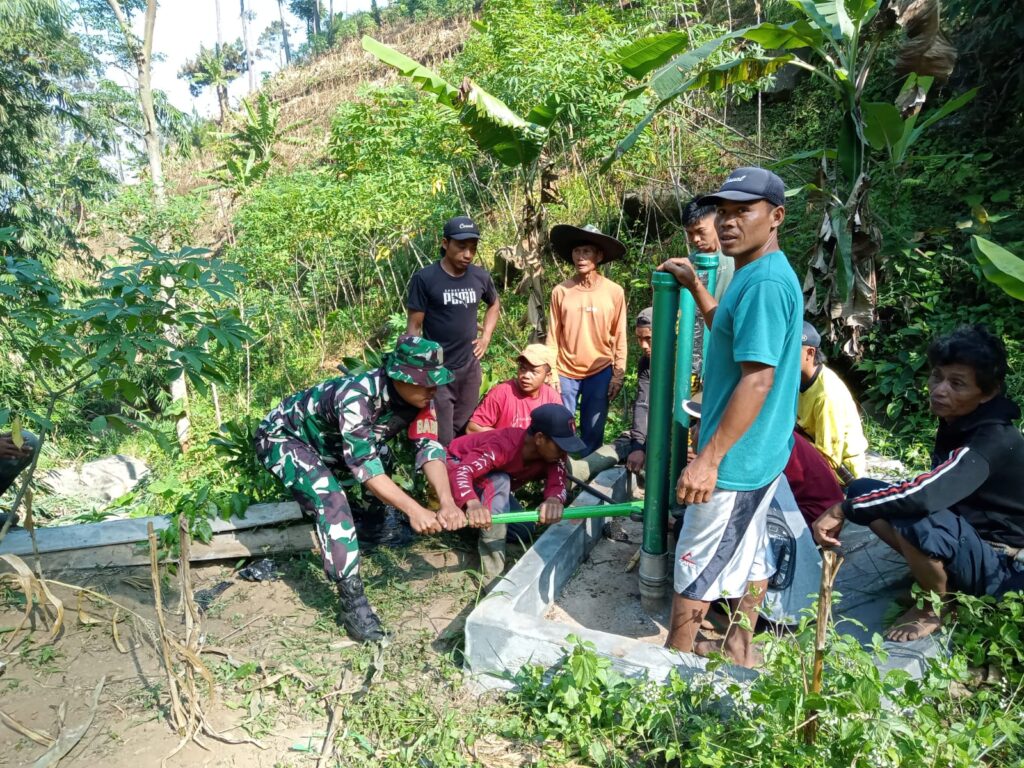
603 596
272 648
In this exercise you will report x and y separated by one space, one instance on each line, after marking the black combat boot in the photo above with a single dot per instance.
355 613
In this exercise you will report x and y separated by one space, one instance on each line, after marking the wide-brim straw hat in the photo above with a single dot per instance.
565 237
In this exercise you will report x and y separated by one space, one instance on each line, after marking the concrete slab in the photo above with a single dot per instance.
520 623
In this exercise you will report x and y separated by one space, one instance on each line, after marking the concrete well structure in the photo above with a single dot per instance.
508 629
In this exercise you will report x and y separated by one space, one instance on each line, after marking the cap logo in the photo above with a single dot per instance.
734 179
465 226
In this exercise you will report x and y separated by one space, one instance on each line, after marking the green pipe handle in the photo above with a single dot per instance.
570 513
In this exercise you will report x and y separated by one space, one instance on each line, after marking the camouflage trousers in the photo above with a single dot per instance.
318 494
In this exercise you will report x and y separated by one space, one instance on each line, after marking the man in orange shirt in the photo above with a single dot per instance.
587 328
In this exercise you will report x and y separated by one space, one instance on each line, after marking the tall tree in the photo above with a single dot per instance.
309 11
213 69
220 33
141 52
284 33
270 45
246 17
42 68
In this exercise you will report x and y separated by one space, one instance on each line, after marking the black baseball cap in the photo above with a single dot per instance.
461 228
556 422
749 183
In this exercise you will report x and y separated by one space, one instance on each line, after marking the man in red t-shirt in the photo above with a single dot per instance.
510 403
811 479
485 468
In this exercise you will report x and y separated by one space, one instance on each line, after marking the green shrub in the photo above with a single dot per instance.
583 710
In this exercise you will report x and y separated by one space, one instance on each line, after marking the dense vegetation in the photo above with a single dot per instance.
327 215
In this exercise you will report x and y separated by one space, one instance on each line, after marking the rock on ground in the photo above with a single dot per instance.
102 480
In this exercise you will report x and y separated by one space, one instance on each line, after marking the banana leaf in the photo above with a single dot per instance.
649 53
742 70
1001 267
494 127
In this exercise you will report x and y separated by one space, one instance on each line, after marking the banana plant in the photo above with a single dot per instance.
837 43
496 129
513 140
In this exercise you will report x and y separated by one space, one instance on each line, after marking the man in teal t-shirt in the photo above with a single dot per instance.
751 382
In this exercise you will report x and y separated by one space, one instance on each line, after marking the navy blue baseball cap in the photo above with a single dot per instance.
810 336
556 422
749 183
461 228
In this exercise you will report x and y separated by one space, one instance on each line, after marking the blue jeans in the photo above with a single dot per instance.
592 394
495 493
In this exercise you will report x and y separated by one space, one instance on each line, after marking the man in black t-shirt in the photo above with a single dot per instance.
442 306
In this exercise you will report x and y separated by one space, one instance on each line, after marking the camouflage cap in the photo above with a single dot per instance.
418 361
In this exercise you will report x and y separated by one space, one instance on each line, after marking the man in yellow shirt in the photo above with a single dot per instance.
827 413
587 329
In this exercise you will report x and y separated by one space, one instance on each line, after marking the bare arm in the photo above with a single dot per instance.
684 273
698 480
490 323
619 355
474 427
449 514
414 323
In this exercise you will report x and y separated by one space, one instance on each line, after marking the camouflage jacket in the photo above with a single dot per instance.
352 417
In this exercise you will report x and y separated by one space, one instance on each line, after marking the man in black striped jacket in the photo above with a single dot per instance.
960 526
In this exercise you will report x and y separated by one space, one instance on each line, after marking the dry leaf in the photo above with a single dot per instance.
113 626
195 661
68 738
83 617
58 606
39 737
24 578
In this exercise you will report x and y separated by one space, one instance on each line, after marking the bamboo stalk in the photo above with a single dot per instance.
830 562
191 621
177 716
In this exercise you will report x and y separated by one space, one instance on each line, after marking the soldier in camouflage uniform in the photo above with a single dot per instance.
352 417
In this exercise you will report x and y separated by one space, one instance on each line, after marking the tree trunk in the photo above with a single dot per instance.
222 102
284 33
220 35
143 57
316 17
245 43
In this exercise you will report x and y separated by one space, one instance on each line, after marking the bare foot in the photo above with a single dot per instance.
913 625
704 646
751 659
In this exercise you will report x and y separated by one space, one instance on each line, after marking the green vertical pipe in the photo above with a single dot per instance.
663 345
681 392
707 264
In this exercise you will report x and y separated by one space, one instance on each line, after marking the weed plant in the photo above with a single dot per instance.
585 711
